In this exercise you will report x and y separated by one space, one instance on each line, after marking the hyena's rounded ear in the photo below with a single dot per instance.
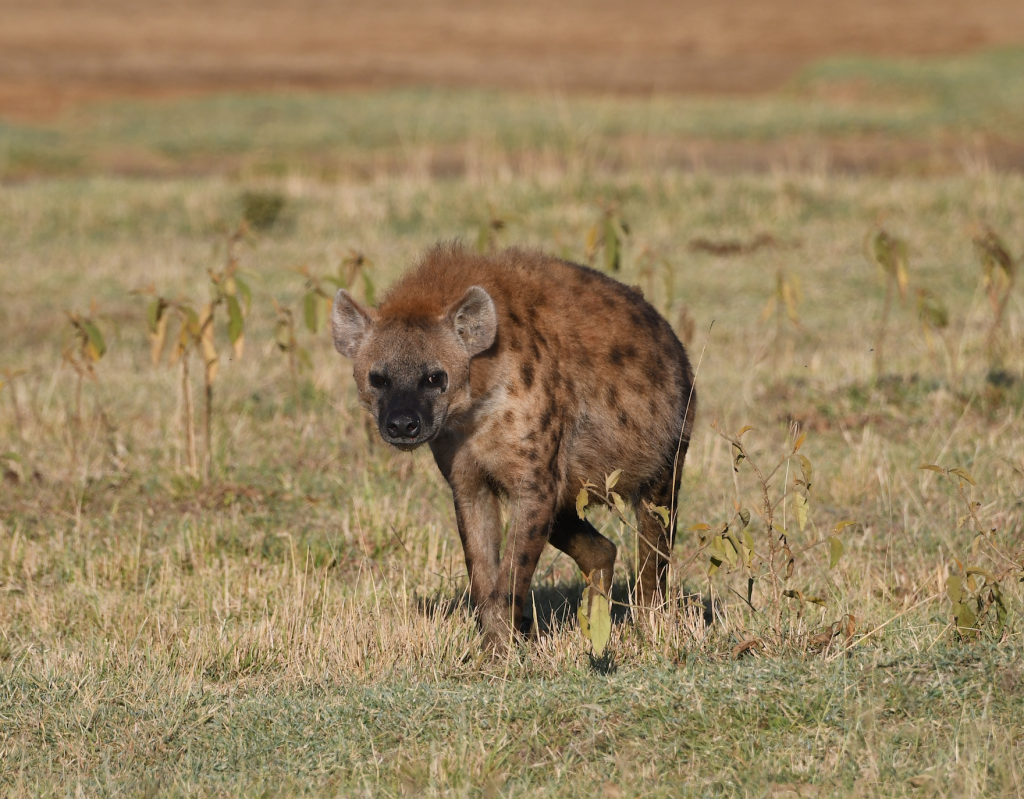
350 323
475 319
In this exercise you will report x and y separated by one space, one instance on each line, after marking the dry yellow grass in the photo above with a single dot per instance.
299 623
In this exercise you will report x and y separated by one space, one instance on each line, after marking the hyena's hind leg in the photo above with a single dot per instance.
655 541
593 553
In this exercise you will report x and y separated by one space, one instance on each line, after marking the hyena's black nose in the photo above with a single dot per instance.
403 424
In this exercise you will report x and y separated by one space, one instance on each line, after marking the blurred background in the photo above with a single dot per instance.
880 83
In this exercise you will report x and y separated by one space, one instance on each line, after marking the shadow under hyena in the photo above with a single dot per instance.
552 607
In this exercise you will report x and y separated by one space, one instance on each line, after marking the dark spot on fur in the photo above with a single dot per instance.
509 417
613 396
524 559
513 317
513 343
652 406
615 356
623 419
541 339
527 375
545 420
534 350
630 351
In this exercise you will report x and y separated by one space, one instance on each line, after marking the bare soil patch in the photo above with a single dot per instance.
58 52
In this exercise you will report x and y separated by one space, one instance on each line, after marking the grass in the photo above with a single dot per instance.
450 131
298 625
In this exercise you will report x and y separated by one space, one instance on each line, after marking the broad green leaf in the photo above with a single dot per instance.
591 241
153 314
244 292
311 312
582 500
744 515
236 324
600 623
612 479
807 469
663 513
748 539
611 246
932 468
191 321
283 336
97 346
954 589
965 619
731 553
801 510
840 526
800 441
835 551
620 506
699 527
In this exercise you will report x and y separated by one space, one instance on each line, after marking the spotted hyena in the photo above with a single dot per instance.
527 375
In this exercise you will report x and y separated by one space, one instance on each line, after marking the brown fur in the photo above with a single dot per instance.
568 376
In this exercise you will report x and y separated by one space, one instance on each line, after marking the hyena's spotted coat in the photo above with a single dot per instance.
527 375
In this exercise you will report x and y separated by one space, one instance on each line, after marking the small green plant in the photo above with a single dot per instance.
287 342
261 210
195 334
934 318
767 559
83 349
594 612
317 298
890 255
608 234
998 275
975 592
784 305
651 264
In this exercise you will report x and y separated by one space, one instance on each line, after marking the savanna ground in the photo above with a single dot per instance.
297 623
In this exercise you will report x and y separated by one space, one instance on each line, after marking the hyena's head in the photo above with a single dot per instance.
413 371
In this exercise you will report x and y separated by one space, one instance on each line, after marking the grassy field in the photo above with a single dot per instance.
949 109
297 623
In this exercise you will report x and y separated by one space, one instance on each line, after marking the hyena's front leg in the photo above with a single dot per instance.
529 529
478 513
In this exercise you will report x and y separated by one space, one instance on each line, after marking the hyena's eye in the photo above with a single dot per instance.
437 380
378 380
